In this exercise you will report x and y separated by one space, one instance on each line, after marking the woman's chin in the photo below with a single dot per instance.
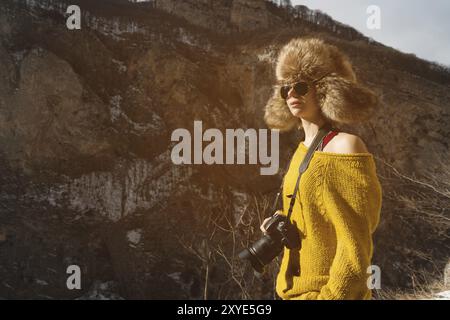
297 112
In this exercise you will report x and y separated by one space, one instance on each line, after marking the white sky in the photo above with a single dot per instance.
412 26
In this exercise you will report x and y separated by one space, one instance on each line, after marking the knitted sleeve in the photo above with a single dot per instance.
352 198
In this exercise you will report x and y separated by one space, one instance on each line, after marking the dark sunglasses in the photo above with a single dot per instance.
300 88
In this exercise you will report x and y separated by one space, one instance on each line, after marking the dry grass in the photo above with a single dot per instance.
413 241
425 291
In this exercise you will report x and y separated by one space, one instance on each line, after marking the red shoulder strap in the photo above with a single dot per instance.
328 137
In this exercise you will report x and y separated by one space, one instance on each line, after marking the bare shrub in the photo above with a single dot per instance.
412 243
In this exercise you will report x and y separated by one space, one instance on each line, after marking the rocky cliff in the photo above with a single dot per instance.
85 123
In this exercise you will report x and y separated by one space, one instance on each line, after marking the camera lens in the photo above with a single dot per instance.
246 254
262 252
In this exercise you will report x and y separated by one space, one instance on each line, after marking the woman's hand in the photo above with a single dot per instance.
264 224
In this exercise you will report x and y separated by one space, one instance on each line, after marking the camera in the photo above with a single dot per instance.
280 232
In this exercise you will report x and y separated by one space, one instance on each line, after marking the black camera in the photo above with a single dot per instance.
280 232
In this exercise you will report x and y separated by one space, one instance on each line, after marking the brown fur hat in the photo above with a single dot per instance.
340 97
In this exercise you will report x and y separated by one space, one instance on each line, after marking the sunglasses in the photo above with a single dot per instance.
300 88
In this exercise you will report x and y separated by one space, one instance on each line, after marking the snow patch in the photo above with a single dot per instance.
240 204
134 237
41 282
102 291
121 67
268 55
115 109
444 295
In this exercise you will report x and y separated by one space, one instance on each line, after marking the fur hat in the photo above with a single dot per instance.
340 97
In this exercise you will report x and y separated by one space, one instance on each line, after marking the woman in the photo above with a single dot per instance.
339 201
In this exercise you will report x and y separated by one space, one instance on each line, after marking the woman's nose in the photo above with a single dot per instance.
291 92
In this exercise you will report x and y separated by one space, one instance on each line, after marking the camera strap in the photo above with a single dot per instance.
318 139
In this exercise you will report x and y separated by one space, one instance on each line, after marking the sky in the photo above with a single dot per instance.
421 27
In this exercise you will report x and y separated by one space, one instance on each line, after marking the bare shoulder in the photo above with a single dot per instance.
346 143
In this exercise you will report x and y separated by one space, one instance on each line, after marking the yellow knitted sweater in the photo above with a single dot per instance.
337 210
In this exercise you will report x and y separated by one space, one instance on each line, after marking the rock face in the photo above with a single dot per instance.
49 108
221 16
248 15
85 132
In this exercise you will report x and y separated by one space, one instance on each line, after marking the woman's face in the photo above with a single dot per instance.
306 106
